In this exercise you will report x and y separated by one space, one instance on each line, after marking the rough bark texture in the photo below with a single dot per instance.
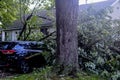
66 22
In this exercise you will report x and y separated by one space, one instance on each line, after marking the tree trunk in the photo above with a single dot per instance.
66 22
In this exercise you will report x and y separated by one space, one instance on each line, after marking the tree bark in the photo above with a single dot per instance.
66 22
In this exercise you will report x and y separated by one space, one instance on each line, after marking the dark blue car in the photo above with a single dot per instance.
22 55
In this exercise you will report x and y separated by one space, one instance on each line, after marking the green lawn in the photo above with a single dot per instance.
46 74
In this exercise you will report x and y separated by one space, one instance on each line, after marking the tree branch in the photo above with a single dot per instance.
28 18
27 34
25 22
44 18
24 26
115 49
47 36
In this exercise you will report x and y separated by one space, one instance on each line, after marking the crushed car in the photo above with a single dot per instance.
22 55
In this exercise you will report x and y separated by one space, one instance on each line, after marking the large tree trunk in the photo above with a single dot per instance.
66 22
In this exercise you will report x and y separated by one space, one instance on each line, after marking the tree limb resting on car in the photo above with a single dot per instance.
47 36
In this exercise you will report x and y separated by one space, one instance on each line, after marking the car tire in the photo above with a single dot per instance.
24 67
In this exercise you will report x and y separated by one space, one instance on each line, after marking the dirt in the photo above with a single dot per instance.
7 73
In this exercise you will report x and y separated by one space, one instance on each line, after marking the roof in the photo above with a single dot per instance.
99 5
44 15
48 22
16 25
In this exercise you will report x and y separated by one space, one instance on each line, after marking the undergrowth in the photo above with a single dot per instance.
47 74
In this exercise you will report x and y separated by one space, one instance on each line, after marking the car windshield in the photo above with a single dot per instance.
3 46
7 45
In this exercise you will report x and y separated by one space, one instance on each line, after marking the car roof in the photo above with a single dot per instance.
23 42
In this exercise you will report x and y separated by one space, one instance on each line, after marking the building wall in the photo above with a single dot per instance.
52 29
10 35
15 35
0 35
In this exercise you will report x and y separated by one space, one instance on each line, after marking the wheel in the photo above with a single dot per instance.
24 67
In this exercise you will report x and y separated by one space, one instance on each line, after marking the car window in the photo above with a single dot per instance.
29 45
25 46
11 45
18 46
3 46
7 45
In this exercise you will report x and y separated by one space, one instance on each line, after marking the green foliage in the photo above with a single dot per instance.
96 33
47 74
19 10
8 11
49 54
35 35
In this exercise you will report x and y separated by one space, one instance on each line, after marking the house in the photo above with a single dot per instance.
114 5
44 23
0 34
14 29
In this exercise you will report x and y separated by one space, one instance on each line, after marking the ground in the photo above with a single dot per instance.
45 74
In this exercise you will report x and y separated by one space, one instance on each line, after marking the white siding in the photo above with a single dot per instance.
15 34
3 36
10 35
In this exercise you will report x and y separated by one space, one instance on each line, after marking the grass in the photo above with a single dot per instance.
46 74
